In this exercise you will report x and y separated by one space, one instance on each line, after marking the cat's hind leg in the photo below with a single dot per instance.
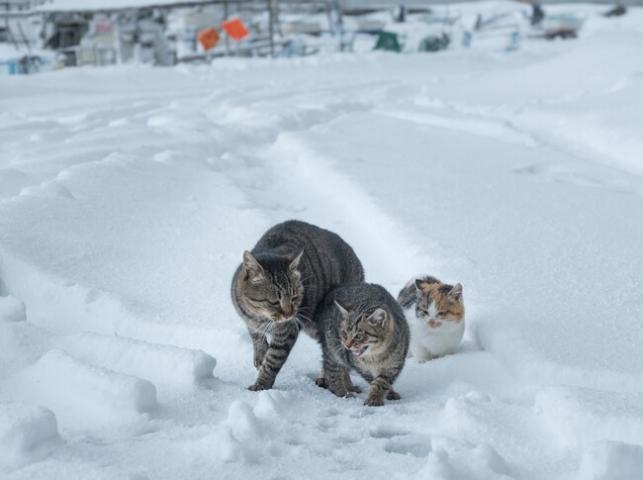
392 395
335 375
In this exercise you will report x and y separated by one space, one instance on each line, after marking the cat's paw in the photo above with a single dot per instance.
257 387
374 401
321 382
341 392
392 395
355 389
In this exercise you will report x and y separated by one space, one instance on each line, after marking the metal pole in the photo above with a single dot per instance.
225 17
271 26
340 23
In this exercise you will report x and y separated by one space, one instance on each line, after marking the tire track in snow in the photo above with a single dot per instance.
329 198
532 128
285 178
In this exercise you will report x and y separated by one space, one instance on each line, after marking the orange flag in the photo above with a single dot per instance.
235 28
208 38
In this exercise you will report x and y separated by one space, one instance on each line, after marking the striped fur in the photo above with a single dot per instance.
266 289
363 328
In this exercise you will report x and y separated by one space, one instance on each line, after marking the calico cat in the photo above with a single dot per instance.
279 284
435 312
363 327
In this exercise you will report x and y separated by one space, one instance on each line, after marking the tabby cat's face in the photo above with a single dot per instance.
364 332
438 302
274 289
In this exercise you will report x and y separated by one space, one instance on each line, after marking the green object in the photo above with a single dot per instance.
388 41
434 43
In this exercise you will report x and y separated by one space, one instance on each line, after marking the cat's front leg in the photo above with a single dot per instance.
320 381
284 336
379 387
259 345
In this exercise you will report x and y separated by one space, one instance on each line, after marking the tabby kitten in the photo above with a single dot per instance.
363 327
279 284
435 312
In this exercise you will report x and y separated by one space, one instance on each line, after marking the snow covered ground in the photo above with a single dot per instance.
127 196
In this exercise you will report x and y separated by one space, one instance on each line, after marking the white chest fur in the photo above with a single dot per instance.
434 340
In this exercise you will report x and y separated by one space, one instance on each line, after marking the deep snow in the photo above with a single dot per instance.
127 196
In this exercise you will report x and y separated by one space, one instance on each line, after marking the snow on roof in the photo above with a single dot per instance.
96 5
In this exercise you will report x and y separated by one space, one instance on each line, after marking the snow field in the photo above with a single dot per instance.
580 416
83 393
23 428
127 196
11 309
606 460
158 363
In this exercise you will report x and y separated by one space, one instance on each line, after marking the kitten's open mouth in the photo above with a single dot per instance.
358 352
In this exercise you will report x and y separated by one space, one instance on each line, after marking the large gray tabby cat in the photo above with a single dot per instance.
364 328
280 283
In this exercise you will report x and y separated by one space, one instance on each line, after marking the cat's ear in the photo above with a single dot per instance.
418 284
295 261
252 267
378 318
341 309
456 292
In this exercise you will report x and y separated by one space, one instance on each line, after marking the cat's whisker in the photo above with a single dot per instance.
267 327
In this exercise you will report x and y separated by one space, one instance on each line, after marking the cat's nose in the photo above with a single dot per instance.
288 310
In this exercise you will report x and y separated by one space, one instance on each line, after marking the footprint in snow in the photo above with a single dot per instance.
387 431
409 446
326 424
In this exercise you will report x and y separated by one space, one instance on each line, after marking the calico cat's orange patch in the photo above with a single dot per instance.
449 309
452 310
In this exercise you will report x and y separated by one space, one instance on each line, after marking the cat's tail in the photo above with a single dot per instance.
408 295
